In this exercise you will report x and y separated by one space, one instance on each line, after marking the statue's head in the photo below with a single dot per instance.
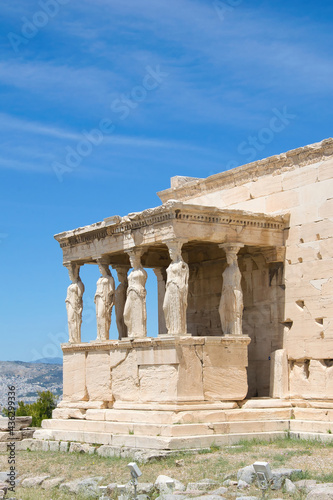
121 273
73 271
135 257
175 250
103 267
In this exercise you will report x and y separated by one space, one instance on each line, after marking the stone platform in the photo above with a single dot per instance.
151 370
170 393
190 426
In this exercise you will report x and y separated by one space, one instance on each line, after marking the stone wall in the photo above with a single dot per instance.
300 183
263 310
263 314
204 294
14 430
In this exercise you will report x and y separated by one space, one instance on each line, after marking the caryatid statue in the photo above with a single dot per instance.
135 313
175 299
104 300
120 299
74 303
231 303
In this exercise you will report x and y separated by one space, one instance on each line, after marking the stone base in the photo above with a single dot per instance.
188 426
156 370
171 394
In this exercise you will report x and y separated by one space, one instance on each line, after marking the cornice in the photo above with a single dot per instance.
290 160
169 211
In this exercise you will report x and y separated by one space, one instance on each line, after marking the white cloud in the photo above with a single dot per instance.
44 144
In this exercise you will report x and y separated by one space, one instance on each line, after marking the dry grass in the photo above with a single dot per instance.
313 457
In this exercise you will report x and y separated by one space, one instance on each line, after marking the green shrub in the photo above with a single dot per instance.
41 409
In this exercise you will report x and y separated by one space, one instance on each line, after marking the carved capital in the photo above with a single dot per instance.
231 248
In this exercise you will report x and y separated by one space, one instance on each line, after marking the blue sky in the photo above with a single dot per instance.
103 101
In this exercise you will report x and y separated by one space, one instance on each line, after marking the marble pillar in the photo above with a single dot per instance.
160 273
74 303
120 299
175 299
231 303
135 313
104 300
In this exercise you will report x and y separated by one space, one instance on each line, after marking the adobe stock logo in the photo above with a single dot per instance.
277 123
40 19
253 144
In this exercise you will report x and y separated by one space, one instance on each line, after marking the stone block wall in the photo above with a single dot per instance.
14 430
300 183
156 371
263 310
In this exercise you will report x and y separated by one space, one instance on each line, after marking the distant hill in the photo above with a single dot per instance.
28 379
49 361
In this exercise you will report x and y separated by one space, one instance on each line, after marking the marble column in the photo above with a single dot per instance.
231 303
175 299
74 303
120 299
160 274
135 313
104 300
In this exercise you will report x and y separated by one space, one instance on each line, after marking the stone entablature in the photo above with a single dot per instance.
168 221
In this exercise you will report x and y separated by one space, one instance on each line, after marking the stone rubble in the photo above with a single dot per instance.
32 482
280 475
3 486
18 432
321 492
289 486
247 498
48 484
166 484
306 485
246 474
242 484
229 482
87 487
202 485
81 448
169 488
219 491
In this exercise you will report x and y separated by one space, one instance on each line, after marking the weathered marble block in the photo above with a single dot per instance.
157 370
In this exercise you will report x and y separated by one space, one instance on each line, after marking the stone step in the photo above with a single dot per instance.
265 403
172 417
182 430
317 414
311 426
326 438
158 442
